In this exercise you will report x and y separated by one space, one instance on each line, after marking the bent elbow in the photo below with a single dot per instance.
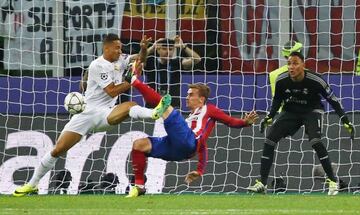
112 94
197 60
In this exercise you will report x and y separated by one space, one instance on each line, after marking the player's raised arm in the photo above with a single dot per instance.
275 105
219 115
142 55
278 97
330 96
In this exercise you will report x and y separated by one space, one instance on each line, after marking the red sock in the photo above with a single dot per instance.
150 95
138 163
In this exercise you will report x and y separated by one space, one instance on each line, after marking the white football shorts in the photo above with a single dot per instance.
94 119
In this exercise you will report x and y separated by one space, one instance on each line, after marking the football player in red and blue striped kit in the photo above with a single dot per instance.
185 137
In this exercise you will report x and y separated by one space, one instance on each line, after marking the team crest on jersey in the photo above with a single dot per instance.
103 76
117 67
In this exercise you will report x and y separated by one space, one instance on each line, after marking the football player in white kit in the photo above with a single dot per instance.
104 84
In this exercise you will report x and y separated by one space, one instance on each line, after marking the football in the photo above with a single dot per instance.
74 103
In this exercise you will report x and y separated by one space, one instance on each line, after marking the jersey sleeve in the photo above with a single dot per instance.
277 100
101 76
273 76
218 115
203 158
330 96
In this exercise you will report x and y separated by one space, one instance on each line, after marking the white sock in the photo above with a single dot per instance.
140 186
138 112
133 79
46 164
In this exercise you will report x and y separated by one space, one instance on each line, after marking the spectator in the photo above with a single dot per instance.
162 69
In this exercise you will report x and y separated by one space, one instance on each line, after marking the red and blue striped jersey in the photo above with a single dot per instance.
202 122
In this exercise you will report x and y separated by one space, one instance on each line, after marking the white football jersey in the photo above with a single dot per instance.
101 73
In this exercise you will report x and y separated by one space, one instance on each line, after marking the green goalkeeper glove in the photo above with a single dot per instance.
265 123
350 128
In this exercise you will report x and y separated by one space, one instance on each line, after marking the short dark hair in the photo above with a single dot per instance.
202 88
110 38
298 54
166 42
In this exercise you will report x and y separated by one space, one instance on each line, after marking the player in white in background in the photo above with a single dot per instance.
103 86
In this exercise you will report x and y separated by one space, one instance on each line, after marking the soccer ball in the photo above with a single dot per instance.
74 103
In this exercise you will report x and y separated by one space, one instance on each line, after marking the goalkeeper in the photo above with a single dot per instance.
185 138
299 90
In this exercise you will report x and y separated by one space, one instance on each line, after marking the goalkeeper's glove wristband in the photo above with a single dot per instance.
345 119
265 123
350 128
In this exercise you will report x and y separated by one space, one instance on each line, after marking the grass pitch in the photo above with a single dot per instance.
182 204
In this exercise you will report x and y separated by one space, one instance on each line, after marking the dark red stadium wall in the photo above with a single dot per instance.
231 58
149 19
309 17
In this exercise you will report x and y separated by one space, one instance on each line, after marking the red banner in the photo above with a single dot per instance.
250 34
149 19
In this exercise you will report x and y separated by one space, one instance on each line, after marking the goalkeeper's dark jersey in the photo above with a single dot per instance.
304 96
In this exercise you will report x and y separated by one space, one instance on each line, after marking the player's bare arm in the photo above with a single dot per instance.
142 55
192 58
115 90
250 118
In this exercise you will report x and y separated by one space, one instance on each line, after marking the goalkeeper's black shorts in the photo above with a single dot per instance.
289 123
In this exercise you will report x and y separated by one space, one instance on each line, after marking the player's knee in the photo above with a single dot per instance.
142 145
130 104
120 113
138 145
56 152
271 142
316 142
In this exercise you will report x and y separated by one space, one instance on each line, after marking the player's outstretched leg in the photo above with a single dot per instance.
258 187
131 75
66 140
161 107
47 163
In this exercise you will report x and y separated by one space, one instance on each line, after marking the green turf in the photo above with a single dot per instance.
182 204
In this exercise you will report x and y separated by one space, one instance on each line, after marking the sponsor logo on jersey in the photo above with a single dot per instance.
305 91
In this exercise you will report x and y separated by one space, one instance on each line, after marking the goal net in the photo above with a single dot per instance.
47 45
